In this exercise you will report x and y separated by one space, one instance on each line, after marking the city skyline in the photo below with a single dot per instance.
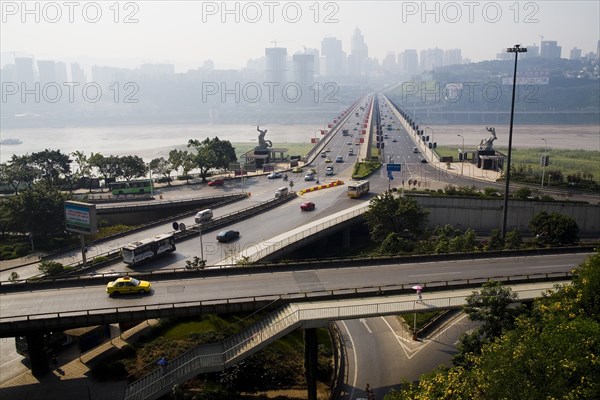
187 34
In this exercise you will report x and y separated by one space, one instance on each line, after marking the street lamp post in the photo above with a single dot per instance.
544 160
516 49
462 151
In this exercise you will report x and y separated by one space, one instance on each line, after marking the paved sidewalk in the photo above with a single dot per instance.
71 380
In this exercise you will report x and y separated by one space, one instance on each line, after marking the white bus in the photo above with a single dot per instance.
357 189
147 249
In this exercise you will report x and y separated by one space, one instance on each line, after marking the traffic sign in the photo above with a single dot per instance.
394 167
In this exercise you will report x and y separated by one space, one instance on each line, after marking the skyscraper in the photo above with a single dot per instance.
333 57
47 72
575 54
77 74
276 61
452 57
359 53
409 61
304 78
24 66
550 49
431 59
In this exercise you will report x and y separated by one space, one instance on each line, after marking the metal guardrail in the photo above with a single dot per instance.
215 223
360 291
274 326
289 240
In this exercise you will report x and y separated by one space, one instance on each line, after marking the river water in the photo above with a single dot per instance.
151 141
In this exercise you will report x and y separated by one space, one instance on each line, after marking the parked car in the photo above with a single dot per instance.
307 206
228 235
216 182
274 175
339 159
127 284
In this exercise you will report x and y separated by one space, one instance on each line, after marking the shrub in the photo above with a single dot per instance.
50 267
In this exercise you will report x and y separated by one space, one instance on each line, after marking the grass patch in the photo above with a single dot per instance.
362 169
422 318
568 162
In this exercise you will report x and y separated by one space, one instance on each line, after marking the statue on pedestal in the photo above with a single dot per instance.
488 144
262 143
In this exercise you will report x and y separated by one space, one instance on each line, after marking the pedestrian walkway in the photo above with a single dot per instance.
70 379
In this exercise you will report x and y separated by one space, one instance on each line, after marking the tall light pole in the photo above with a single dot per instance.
544 160
462 151
516 49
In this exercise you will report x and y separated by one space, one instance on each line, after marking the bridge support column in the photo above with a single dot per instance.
310 361
37 355
346 238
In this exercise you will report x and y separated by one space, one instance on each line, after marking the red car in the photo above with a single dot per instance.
307 206
216 182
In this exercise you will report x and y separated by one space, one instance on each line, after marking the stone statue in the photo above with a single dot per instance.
488 144
262 143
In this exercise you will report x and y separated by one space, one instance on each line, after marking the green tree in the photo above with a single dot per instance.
212 153
513 239
84 166
390 214
132 167
554 228
496 242
522 193
39 210
551 353
52 164
162 167
182 159
50 267
492 307
18 171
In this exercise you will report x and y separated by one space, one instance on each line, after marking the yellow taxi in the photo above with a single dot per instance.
127 284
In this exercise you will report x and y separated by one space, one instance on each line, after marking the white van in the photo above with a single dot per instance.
203 216
282 191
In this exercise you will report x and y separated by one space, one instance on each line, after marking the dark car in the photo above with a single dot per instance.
216 182
226 236
307 206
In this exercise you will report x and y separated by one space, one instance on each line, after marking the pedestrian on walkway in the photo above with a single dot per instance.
162 362
419 295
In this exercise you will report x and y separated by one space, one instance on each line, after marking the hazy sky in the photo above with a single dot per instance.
186 33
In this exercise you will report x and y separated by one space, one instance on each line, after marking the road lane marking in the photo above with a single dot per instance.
355 377
437 274
364 322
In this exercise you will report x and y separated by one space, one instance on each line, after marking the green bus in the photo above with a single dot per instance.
141 186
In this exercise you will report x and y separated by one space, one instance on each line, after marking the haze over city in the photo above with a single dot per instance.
187 33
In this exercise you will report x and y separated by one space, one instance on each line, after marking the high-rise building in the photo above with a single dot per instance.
409 61
276 65
47 72
452 57
550 49
77 74
333 57
304 78
359 52
156 70
575 54
389 63
431 59
24 71
60 70
315 54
